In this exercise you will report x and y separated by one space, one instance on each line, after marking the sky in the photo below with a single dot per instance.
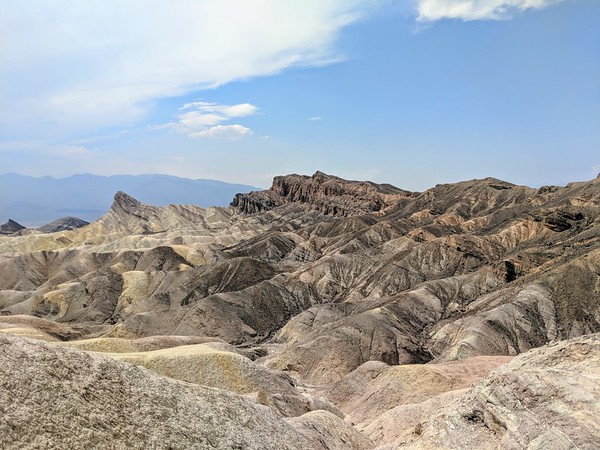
408 92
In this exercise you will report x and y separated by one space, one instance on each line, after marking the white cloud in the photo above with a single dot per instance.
86 65
195 119
241 110
203 119
44 149
232 132
314 119
431 10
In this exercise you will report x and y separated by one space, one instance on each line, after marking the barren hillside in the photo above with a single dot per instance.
321 299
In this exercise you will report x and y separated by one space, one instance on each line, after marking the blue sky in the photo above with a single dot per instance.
413 93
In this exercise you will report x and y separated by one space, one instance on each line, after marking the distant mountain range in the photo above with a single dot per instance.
36 201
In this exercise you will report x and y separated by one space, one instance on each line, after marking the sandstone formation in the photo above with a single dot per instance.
219 366
324 429
327 294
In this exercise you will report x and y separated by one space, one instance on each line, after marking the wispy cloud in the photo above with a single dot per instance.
205 120
71 151
241 110
432 10
232 132
104 64
315 118
43 149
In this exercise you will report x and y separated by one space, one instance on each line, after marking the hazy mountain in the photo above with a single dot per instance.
35 201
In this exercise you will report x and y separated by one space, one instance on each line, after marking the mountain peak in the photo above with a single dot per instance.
11 227
125 201
63 224
318 175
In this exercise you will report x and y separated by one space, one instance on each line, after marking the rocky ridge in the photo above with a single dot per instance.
327 194
12 228
545 398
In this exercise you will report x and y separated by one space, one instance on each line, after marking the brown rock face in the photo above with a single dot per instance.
327 194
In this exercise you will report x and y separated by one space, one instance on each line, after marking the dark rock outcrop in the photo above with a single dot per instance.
64 224
125 202
327 194
11 227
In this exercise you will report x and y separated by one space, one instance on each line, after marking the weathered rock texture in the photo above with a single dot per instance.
374 388
546 398
72 399
324 429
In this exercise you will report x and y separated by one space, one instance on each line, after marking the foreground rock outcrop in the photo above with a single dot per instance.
546 398
375 388
64 398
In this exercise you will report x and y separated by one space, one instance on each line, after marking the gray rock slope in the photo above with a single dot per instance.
67 399
63 224
11 227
